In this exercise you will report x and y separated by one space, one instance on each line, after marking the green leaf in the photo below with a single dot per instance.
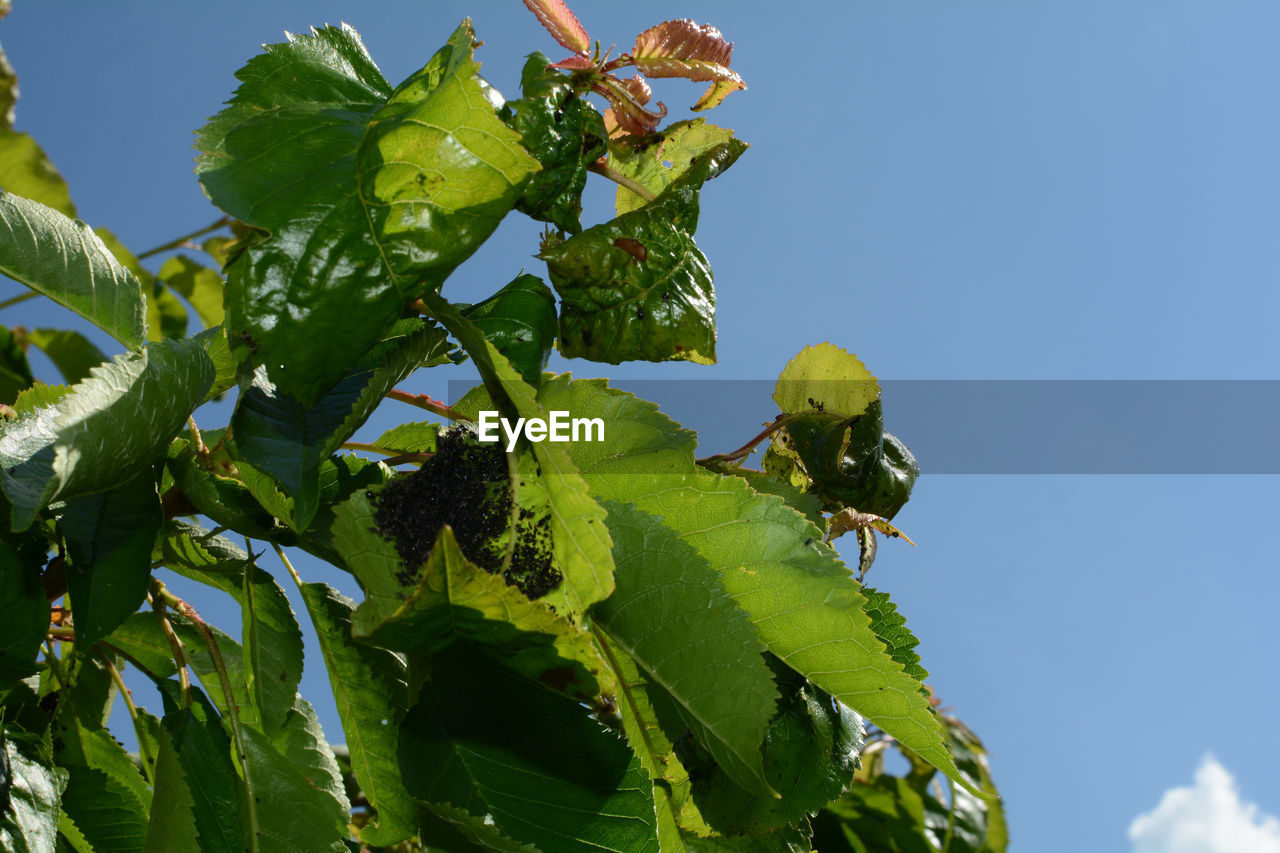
201 286
203 755
108 428
172 828
297 788
672 616
215 345
276 433
520 321
581 547
826 378
224 499
656 160
25 170
565 133
70 838
15 372
451 599
63 259
24 610
762 550
272 640
71 352
638 287
891 627
39 396
444 827
845 462
410 438
109 538
549 775
365 196
29 791
810 753
108 800
369 686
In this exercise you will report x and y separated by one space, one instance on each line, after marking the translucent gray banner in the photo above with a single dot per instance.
1022 426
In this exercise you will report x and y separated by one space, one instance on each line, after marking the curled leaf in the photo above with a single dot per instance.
627 100
560 21
693 51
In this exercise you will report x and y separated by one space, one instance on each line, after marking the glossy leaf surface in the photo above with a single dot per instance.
520 321
108 428
655 162
369 195
63 259
637 287
565 133
29 819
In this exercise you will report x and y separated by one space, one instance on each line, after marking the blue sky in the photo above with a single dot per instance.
996 190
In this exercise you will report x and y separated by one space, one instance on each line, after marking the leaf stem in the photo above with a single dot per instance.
195 436
371 448
622 180
179 242
148 760
422 401
175 648
297 578
233 713
746 450
21 297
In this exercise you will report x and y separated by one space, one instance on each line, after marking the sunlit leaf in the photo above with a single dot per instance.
201 286
105 430
25 170
682 48
638 287
560 21
672 616
365 196
63 259
656 162
29 818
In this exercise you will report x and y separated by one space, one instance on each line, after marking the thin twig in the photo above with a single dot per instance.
233 712
148 760
21 297
746 450
422 401
179 242
297 578
175 648
622 180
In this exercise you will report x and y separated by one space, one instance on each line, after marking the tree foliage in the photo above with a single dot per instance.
606 644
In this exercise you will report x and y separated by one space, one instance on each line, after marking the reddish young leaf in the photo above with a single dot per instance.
574 63
628 99
685 49
560 21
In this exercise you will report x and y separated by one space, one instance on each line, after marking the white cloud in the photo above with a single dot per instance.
1206 818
